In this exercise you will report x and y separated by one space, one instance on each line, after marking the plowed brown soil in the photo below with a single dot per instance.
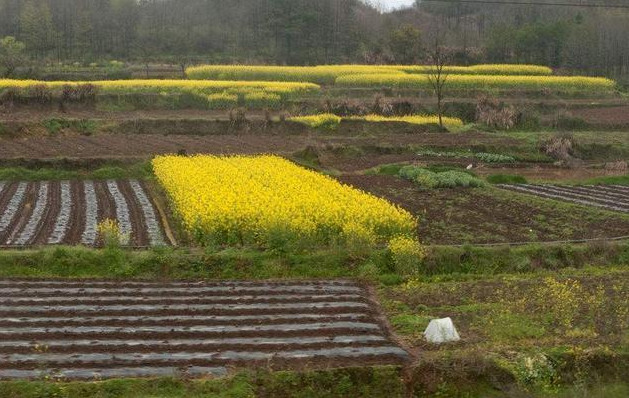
230 342
464 215
76 225
143 145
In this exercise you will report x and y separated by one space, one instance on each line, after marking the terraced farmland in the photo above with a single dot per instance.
99 329
611 197
68 212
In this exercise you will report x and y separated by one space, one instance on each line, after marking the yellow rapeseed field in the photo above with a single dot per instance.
484 69
322 74
449 122
480 82
170 86
330 121
327 121
262 199
327 74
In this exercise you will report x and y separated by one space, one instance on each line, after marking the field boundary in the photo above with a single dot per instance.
555 242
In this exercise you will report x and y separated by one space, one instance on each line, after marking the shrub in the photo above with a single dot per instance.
86 93
559 147
110 233
494 158
444 179
10 95
81 93
453 179
54 126
496 114
40 93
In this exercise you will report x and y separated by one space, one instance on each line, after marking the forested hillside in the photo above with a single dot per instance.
592 40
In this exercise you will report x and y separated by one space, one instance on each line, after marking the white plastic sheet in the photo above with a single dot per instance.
441 331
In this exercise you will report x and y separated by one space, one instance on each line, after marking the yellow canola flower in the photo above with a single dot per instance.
327 74
322 74
479 82
330 121
483 69
253 199
412 119
324 120
170 86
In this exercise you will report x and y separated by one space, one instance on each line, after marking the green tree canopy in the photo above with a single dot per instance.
11 55
406 44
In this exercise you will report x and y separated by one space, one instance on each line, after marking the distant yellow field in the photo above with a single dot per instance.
207 93
327 74
480 82
330 121
449 122
157 86
485 69
323 120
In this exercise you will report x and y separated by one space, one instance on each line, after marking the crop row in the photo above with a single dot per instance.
608 197
69 212
269 201
215 94
412 119
479 82
100 329
327 74
330 121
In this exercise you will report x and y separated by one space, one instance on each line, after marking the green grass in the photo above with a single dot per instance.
506 179
386 169
441 262
541 333
527 310
611 180
463 281
56 125
160 263
139 171
470 260
367 382
599 146
354 382
610 390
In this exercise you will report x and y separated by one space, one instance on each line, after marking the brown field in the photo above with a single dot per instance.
105 329
68 212
465 215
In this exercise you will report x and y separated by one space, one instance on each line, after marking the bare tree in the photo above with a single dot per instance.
438 76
